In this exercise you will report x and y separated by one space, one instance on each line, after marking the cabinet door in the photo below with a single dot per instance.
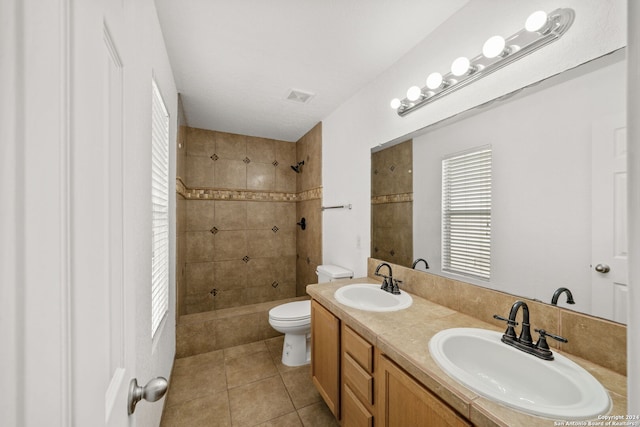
325 355
404 402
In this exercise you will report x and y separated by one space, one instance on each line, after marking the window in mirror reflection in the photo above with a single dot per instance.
466 213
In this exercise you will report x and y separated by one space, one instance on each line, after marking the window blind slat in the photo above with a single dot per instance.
466 213
159 209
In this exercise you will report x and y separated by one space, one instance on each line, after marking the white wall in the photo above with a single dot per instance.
366 120
541 196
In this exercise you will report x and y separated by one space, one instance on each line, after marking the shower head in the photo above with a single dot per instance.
297 168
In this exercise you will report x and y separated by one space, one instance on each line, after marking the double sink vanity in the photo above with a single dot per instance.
401 360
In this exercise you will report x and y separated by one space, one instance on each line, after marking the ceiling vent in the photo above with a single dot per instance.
299 96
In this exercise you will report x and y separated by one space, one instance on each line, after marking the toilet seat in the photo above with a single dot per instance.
291 312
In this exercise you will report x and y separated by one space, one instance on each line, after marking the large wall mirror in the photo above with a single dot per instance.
558 206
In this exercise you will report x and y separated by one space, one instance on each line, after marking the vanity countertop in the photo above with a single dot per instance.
404 337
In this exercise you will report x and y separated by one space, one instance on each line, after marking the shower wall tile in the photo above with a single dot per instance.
285 215
261 243
181 252
230 274
240 238
308 244
199 276
262 215
309 149
199 246
200 172
200 142
181 152
261 176
285 157
230 245
230 215
286 243
200 215
197 303
230 174
231 146
261 150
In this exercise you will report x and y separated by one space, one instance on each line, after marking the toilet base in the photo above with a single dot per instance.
296 350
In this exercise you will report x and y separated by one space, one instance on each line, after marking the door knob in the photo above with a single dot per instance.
602 268
154 390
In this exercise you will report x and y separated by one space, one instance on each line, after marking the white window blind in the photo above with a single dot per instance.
466 213
160 209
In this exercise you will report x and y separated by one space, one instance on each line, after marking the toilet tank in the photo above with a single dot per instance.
329 273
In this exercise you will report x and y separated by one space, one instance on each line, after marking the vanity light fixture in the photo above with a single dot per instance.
540 30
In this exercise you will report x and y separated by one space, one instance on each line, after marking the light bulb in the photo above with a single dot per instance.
413 94
493 47
536 21
460 66
434 80
395 103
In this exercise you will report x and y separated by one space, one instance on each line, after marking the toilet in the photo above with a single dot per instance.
293 319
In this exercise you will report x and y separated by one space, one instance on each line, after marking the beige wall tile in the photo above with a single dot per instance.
230 215
231 146
261 243
261 150
597 340
200 214
230 245
230 274
200 172
261 215
200 142
261 176
285 178
230 174
199 277
200 246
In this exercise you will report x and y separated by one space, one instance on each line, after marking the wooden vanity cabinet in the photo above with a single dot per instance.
362 387
405 402
357 380
325 355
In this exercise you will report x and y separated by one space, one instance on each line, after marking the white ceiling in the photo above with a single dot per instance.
235 61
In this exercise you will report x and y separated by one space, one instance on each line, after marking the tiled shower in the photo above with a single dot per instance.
240 249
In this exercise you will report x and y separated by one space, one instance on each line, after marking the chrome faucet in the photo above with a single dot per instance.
389 284
426 265
524 342
558 292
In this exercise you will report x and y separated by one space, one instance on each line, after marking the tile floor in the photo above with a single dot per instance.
245 385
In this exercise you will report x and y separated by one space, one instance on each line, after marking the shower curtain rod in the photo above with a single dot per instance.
337 207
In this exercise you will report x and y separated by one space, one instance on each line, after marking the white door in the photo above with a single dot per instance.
609 219
105 339
75 252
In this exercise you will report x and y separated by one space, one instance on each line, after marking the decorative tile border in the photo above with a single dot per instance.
314 193
248 195
392 198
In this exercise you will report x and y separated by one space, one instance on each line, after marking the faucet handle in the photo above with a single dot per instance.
394 287
509 321
510 332
542 341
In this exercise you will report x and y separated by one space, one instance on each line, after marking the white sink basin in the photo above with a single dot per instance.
369 297
558 389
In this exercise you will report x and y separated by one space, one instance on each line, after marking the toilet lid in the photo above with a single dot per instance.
298 310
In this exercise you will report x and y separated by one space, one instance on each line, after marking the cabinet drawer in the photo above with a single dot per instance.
357 379
358 348
354 413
